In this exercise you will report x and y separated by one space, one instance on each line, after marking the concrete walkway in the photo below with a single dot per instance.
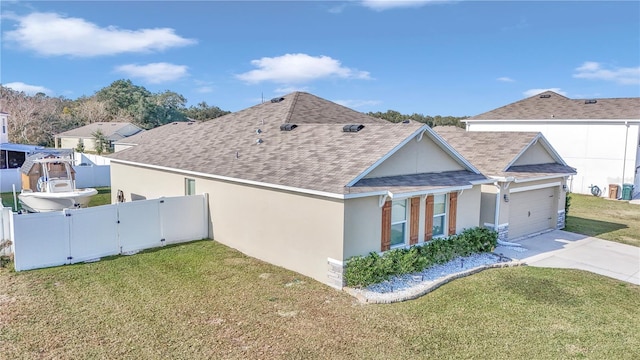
561 249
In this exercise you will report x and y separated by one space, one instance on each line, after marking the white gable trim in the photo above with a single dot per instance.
552 120
419 133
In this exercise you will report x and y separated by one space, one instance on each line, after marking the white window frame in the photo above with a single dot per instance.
187 182
445 217
405 222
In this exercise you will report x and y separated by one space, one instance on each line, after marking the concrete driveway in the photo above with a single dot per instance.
561 249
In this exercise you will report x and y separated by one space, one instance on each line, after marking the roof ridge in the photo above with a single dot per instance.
289 114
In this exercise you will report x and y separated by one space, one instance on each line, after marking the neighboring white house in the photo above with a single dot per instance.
112 131
599 137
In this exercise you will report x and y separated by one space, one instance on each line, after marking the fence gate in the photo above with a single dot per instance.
76 235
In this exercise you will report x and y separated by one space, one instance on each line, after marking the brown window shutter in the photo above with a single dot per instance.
385 243
453 207
414 221
428 219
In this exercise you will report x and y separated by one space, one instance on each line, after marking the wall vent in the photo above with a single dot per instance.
277 99
545 96
591 101
352 128
288 127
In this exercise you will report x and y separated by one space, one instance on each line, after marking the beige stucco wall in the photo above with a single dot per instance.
416 157
72 143
536 154
488 204
362 226
296 231
120 147
468 215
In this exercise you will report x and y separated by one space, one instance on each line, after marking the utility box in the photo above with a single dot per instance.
627 191
613 191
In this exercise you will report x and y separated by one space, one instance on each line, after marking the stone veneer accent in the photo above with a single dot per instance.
560 222
503 232
335 273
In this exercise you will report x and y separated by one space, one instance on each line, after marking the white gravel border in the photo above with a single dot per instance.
413 286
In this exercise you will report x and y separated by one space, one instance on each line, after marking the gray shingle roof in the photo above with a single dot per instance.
417 182
156 134
317 155
111 130
492 151
556 106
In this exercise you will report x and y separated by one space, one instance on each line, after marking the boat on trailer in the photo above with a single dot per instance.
54 189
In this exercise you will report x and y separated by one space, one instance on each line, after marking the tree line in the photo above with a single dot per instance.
35 119
396 117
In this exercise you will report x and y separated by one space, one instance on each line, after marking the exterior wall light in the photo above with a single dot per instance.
506 198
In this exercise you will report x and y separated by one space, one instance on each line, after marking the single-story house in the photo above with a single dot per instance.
599 137
112 131
304 183
529 186
152 135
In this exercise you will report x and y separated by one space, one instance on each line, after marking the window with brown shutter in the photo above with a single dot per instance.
385 243
428 219
414 222
453 205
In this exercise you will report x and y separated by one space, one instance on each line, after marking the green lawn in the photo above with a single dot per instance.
102 198
607 219
203 300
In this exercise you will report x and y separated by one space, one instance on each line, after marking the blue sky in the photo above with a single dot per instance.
430 57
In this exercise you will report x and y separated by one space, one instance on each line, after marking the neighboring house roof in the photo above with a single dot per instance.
495 152
550 105
111 130
156 134
20 147
29 162
248 145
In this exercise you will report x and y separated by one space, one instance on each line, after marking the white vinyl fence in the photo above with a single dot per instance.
8 178
77 235
6 246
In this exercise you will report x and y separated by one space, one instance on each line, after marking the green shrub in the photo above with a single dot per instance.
374 268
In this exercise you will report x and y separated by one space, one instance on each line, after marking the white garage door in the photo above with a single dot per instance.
531 211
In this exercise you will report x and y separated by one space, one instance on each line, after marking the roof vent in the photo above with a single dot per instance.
258 131
406 121
545 96
591 101
277 99
288 127
352 128
259 141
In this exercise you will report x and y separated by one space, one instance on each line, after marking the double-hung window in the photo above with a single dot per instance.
439 214
398 222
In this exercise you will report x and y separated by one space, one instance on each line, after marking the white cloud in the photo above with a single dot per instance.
505 79
594 71
53 34
298 68
532 92
28 89
354 104
381 5
154 73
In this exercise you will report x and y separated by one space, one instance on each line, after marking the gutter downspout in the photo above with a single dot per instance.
624 158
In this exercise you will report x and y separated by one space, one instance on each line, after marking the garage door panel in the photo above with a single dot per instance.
531 211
